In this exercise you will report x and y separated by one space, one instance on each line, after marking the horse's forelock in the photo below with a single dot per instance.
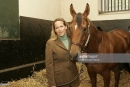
79 19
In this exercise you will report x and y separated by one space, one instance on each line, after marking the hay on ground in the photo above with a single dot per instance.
38 79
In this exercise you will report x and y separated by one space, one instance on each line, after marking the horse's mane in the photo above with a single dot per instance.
99 28
89 21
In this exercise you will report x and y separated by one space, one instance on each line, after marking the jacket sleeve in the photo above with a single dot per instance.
49 64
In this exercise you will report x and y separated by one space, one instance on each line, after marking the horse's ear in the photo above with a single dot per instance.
72 11
87 10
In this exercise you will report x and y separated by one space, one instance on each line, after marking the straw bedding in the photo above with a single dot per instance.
38 79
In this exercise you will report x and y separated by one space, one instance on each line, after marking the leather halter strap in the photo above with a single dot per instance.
75 43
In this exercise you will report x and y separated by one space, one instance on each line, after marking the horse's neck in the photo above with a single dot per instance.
95 39
95 33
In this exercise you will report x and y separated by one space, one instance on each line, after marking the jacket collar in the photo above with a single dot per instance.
60 44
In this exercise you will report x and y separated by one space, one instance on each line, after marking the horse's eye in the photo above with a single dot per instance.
70 29
84 29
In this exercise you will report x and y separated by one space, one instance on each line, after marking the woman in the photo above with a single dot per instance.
60 70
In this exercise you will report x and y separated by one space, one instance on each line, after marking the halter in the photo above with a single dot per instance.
86 43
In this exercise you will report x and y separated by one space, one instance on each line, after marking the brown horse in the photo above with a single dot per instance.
85 36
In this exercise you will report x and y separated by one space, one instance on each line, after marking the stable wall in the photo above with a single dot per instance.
41 9
19 58
51 9
94 15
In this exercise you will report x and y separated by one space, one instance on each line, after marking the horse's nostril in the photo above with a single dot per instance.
76 55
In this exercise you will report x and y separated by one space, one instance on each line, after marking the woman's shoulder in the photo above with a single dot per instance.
50 41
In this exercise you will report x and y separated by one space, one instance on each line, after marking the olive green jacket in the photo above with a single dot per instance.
59 68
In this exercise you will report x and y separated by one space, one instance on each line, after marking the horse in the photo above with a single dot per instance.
87 38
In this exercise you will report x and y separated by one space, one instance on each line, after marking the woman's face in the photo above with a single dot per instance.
60 28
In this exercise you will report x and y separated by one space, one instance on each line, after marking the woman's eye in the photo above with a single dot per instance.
56 28
70 28
61 26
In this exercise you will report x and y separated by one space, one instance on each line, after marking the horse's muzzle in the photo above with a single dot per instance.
74 58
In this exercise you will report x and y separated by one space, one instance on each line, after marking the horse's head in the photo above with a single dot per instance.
79 28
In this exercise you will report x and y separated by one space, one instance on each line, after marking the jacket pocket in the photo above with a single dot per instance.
59 77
